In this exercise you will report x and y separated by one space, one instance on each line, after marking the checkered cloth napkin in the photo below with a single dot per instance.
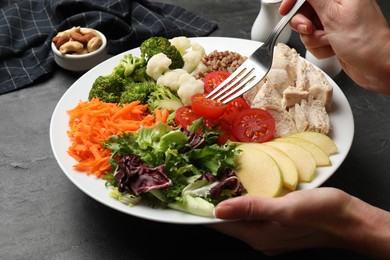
27 27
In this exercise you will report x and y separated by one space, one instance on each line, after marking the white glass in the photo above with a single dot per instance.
266 20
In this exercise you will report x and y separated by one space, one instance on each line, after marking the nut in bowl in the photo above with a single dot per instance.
79 49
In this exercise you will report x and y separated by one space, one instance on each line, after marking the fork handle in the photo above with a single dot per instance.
270 42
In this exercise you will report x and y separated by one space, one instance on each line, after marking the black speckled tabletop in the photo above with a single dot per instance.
45 216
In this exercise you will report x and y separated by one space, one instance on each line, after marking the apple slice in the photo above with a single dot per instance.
258 172
284 192
322 140
303 159
321 158
286 165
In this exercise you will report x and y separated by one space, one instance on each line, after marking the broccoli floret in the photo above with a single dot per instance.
140 75
155 45
163 98
107 88
128 64
138 91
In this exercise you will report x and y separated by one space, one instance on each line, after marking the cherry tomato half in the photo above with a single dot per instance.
206 107
226 134
253 125
233 107
185 116
213 79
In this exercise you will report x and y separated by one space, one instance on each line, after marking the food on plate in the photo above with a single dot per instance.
235 121
161 45
321 158
184 116
253 125
302 158
77 40
92 122
296 157
213 79
130 82
158 65
286 165
296 93
323 141
174 168
207 108
221 61
258 172
184 84
151 132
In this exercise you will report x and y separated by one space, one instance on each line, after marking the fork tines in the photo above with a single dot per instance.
235 85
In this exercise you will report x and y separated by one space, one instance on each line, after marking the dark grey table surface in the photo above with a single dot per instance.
45 216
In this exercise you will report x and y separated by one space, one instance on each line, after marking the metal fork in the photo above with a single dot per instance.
255 68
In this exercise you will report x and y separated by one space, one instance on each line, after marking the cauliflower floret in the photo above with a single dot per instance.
201 68
192 53
181 43
192 60
172 79
157 65
197 47
183 83
190 88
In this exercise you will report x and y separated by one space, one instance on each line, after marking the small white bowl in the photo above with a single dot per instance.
81 62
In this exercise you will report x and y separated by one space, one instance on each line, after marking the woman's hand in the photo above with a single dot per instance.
322 217
354 30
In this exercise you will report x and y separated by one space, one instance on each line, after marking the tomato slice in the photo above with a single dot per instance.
226 132
184 116
253 125
206 107
213 79
233 107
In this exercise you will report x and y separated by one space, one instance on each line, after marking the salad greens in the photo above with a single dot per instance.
183 170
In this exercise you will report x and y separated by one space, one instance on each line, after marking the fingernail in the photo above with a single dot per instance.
214 212
302 28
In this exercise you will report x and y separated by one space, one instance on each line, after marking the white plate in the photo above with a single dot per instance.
341 119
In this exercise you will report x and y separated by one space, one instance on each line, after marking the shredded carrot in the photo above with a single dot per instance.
161 116
93 122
